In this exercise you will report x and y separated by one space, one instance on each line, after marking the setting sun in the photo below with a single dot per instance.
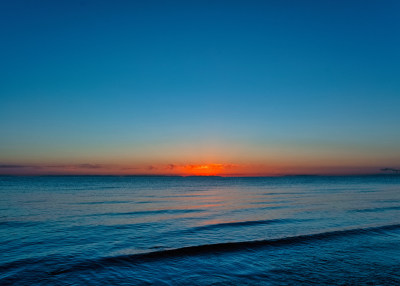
204 170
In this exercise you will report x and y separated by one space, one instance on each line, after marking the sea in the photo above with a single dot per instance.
133 230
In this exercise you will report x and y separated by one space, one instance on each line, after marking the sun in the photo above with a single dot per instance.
204 169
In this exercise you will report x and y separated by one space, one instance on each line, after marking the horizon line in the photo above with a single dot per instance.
199 176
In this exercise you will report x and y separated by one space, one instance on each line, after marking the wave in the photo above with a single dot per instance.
14 223
241 224
102 202
271 202
377 209
222 248
282 193
149 212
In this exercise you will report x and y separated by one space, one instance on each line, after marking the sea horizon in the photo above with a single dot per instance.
199 176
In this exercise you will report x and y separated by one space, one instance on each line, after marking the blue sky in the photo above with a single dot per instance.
141 83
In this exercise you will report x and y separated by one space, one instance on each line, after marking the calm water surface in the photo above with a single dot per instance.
199 231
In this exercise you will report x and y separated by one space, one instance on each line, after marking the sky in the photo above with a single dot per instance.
232 88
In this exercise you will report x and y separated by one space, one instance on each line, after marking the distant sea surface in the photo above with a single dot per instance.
200 230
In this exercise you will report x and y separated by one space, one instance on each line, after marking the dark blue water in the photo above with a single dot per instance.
200 231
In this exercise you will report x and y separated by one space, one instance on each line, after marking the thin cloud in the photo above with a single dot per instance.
129 168
14 166
77 166
89 166
5 166
390 170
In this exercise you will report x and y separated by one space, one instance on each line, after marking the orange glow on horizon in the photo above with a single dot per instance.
183 169
204 170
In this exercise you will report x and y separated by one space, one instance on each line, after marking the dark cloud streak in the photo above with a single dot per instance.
12 166
77 166
391 170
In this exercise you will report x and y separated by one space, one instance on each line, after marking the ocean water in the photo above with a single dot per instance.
200 230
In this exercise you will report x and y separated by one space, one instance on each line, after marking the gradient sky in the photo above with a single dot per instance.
199 87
